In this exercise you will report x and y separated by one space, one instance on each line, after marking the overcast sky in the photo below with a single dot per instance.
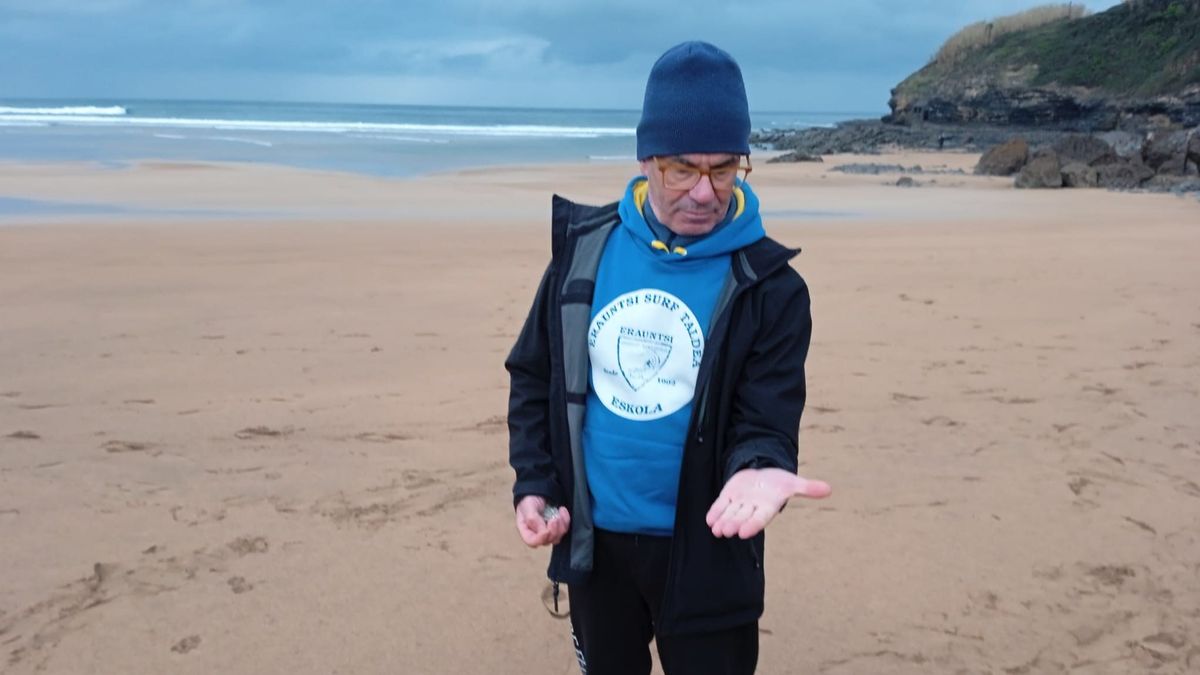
795 54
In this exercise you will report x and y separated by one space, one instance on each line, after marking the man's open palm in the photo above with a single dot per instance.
752 497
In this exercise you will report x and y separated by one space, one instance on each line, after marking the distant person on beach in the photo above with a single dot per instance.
657 387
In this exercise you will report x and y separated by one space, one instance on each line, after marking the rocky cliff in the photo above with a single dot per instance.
1134 66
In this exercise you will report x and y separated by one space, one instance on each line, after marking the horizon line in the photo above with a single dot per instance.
120 100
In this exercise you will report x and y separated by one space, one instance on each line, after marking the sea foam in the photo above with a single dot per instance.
113 111
498 130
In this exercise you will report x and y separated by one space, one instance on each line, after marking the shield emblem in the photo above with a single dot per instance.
640 358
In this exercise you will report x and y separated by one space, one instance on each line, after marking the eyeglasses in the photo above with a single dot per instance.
677 175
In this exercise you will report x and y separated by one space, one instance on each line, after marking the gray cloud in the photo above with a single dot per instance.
488 52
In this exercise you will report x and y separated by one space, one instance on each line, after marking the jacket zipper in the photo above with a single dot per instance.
708 348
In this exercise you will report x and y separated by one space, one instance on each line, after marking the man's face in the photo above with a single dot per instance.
693 212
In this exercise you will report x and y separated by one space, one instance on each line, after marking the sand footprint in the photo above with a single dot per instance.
248 545
38 406
381 437
263 432
117 447
492 425
1014 400
924 301
186 645
239 585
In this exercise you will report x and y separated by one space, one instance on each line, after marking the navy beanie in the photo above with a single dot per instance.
695 102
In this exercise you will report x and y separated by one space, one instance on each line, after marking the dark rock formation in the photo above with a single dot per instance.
1159 162
1004 159
1174 184
795 156
1079 175
1043 171
1005 107
1060 110
1123 175
868 137
1087 150
1121 160
1166 152
1187 185
1126 144
860 137
875 169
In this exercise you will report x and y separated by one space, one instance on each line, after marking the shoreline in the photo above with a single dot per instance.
153 190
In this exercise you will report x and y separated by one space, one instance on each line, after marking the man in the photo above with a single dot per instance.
657 387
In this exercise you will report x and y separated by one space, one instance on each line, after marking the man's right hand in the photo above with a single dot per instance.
537 532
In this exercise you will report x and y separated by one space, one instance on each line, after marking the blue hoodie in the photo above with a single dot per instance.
651 310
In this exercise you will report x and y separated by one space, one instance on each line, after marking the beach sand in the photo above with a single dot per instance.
255 423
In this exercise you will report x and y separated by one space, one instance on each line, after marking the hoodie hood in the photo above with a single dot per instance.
745 228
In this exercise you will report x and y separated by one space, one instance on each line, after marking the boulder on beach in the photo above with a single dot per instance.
1043 171
1084 149
1079 175
1178 185
1166 152
1004 159
1123 175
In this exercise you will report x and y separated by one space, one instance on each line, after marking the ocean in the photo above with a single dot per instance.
382 140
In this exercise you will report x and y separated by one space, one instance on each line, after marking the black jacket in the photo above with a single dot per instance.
749 396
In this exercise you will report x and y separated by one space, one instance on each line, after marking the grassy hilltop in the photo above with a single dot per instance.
1056 63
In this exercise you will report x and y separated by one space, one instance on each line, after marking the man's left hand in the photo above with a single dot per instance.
752 497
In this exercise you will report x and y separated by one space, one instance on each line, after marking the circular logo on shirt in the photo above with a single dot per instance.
645 348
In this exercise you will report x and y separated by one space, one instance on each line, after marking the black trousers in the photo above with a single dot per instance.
614 614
